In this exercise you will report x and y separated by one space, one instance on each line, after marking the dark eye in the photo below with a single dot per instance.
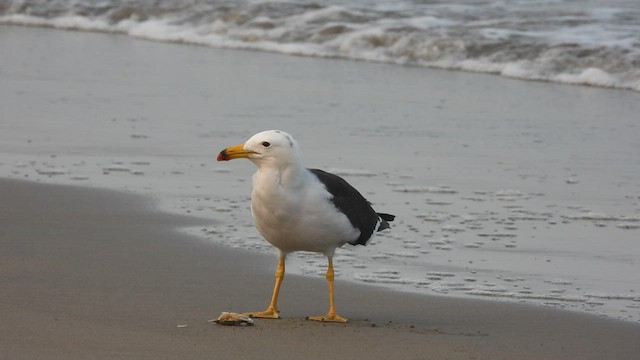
266 144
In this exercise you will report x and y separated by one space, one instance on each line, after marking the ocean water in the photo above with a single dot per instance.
584 42
504 190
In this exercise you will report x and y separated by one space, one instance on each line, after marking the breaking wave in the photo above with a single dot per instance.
565 41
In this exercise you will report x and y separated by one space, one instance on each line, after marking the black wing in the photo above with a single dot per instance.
357 209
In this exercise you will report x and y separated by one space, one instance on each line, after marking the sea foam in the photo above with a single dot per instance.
597 46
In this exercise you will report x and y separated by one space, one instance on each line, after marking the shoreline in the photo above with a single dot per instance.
91 272
466 156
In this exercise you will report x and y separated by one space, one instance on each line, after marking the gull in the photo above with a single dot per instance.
300 209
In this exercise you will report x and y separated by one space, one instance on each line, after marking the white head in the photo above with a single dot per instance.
267 148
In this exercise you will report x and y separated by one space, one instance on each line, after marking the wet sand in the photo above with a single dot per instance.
100 274
89 273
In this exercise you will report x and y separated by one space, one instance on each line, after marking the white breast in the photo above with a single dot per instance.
293 211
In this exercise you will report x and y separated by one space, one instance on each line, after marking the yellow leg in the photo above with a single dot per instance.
272 311
331 315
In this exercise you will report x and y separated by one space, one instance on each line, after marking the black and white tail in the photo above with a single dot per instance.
383 221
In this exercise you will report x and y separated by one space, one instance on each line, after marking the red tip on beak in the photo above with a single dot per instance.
234 152
222 156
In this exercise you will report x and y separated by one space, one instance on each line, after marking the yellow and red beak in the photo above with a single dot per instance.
234 152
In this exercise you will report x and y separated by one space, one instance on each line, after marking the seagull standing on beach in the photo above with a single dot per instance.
300 209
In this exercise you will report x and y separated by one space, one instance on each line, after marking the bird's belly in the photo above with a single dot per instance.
295 227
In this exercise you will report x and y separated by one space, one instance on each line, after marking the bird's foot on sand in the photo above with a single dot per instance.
267 314
330 317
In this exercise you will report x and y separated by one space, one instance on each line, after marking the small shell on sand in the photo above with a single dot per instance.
233 319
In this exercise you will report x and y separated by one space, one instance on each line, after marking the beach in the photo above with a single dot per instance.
100 274
504 189
517 206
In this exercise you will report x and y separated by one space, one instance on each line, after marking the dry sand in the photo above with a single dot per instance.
95 274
